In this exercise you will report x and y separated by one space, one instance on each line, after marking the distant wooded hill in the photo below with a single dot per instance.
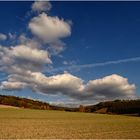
31 104
109 107
114 107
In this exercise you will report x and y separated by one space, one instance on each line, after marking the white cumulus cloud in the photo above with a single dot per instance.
106 88
112 86
49 29
7 85
30 54
39 6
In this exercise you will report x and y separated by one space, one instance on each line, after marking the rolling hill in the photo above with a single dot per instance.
108 107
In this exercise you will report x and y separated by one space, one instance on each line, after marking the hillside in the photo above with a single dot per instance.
32 104
114 107
109 107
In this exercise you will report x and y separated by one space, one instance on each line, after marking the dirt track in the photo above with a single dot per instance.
8 106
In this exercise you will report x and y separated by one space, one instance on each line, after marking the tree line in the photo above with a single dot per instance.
31 104
109 107
114 107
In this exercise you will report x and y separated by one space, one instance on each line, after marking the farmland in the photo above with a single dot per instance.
29 123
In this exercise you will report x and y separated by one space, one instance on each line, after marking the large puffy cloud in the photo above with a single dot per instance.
23 52
61 83
3 37
109 87
49 29
23 58
27 53
65 84
7 85
39 6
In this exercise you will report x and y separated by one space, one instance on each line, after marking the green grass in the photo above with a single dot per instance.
26 123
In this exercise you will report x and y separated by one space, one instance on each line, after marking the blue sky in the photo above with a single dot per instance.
98 32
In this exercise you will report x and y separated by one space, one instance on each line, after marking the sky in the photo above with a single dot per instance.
70 52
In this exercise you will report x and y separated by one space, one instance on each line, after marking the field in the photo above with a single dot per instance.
27 123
